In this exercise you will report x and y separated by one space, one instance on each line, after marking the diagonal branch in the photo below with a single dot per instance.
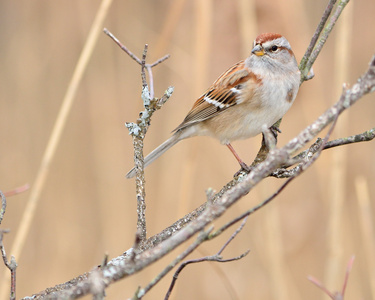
311 55
122 266
336 295
317 33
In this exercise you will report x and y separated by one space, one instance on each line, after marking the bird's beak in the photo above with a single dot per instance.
258 50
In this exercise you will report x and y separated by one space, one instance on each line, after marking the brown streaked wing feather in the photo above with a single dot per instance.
219 92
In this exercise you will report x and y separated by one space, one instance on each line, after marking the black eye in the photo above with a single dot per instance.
274 48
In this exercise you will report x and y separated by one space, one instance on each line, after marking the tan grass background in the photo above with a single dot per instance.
87 208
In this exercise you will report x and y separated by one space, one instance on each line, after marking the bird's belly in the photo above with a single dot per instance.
242 123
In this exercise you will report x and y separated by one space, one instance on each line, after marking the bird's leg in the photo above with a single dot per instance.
244 166
275 130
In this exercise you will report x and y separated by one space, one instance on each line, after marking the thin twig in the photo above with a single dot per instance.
361 137
336 295
159 61
323 38
3 206
151 80
316 35
11 265
142 62
123 47
202 236
138 130
217 258
143 66
131 54
283 172
238 230
17 190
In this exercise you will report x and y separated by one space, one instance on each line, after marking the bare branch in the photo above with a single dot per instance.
143 65
316 35
11 265
203 236
17 190
314 148
138 130
361 137
141 62
160 60
335 295
3 206
238 230
123 47
159 246
308 61
217 257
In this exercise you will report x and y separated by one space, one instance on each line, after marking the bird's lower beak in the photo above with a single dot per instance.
258 50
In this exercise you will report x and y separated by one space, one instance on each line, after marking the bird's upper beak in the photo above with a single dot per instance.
258 50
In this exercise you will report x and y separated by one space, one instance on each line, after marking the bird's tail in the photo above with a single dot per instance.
157 152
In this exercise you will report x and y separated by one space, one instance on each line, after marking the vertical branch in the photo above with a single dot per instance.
316 35
12 265
143 65
139 129
307 63
139 159
3 206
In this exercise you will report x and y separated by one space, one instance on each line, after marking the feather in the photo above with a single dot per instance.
223 94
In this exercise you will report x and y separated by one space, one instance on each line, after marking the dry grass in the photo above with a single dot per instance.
86 206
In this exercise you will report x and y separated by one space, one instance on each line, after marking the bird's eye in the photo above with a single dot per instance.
274 48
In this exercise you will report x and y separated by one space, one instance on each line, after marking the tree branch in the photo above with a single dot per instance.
138 130
217 257
311 55
11 265
3 206
122 266
336 295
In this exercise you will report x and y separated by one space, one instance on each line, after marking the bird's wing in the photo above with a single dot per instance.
224 93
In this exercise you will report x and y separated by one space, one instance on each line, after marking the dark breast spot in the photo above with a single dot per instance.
289 96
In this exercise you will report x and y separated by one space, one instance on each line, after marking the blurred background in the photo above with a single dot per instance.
88 208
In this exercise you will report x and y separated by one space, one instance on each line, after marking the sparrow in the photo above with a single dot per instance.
252 93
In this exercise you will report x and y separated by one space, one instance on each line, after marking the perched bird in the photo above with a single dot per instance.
254 92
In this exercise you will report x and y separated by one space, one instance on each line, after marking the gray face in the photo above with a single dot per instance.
275 55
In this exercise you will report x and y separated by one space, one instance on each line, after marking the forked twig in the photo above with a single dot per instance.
283 172
141 62
202 236
336 295
216 258
138 130
11 265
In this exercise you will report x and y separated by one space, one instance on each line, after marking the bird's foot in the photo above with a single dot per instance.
244 168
